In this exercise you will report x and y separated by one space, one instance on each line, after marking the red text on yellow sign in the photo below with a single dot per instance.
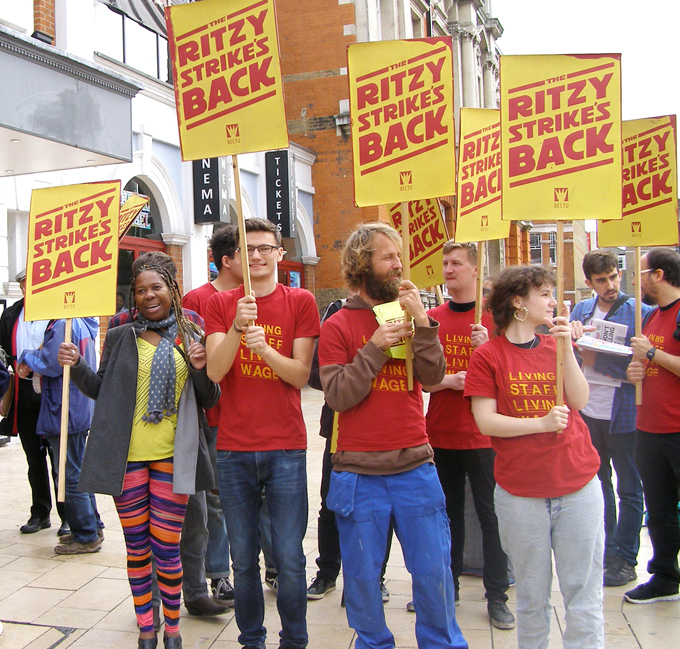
72 251
479 177
227 77
650 187
427 236
401 104
561 125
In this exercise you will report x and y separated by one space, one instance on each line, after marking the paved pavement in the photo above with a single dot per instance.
49 601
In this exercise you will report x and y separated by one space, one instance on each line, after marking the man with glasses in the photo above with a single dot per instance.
610 415
260 347
656 362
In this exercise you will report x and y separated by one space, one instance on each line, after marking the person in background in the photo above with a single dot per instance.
547 497
459 448
145 447
610 415
656 362
16 336
86 527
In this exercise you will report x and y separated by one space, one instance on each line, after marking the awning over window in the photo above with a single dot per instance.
58 111
146 12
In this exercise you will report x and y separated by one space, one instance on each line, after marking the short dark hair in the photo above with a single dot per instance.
512 282
471 249
261 225
596 262
223 244
667 260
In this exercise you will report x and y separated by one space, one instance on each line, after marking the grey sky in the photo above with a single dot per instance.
645 33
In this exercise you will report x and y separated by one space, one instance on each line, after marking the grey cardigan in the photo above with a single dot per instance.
114 387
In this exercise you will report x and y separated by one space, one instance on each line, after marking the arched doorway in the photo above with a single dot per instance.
143 236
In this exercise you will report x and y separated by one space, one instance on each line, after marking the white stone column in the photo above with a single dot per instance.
490 77
469 61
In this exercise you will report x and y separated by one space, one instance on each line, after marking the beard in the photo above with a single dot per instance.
649 299
382 288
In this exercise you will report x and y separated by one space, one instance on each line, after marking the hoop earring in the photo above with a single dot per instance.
526 313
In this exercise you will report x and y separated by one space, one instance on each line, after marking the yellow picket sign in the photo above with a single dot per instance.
401 105
561 137
428 236
650 187
227 72
72 262
479 177
129 211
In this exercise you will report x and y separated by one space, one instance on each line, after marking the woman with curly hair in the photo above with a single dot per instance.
144 447
547 498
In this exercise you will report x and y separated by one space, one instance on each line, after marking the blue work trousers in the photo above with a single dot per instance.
414 503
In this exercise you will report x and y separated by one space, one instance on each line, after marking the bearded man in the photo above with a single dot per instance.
383 469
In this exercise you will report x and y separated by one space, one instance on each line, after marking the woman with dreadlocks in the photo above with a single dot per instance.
144 447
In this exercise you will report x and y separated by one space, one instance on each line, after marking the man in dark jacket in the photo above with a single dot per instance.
16 335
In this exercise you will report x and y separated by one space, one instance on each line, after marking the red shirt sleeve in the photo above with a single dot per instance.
307 322
480 380
333 348
216 314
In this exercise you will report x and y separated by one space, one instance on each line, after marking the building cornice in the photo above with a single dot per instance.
175 238
32 50
464 31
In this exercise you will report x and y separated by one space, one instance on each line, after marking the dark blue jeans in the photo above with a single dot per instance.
283 474
81 508
622 532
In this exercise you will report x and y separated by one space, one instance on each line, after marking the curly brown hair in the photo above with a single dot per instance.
512 282
357 255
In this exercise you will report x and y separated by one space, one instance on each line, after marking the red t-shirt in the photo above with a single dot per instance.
260 412
197 300
389 417
450 423
522 381
660 412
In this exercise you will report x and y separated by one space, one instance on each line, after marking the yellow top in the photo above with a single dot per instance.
153 441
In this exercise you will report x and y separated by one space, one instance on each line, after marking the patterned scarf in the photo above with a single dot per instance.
163 375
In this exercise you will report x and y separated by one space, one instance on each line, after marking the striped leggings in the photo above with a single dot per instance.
151 516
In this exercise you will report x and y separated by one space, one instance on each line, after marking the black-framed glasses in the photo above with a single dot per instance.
265 250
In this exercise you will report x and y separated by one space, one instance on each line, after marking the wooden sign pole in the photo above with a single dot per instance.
481 262
63 436
638 315
440 295
560 310
406 274
241 229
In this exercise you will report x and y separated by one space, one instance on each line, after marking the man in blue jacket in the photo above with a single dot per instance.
81 508
610 415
